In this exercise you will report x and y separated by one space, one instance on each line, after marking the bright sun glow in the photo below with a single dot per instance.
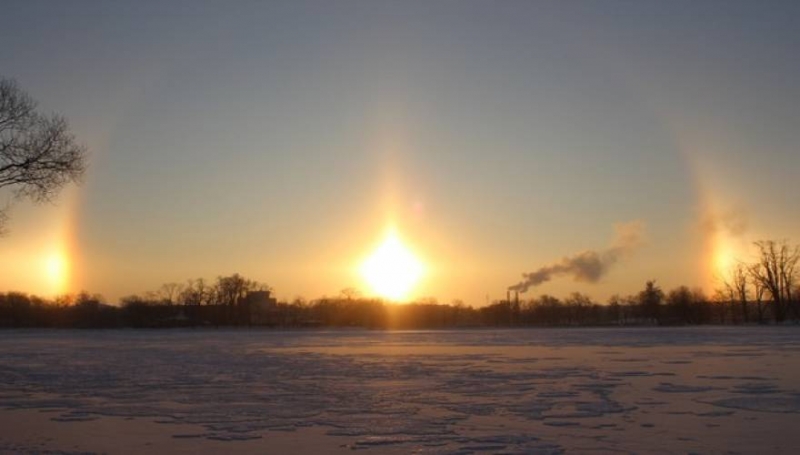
55 268
727 253
724 262
392 270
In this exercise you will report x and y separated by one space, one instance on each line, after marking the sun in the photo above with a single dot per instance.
725 255
724 262
56 269
392 270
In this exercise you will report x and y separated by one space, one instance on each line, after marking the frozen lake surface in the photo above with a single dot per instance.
533 391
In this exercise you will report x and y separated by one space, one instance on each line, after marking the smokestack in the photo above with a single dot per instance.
588 266
508 295
516 298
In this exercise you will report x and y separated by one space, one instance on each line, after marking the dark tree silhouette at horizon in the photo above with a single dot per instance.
650 300
776 271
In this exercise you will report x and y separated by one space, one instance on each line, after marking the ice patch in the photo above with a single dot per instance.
564 394
626 374
232 437
384 440
668 387
783 404
755 388
715 413
561 423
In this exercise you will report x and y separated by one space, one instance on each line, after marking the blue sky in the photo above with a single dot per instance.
278 140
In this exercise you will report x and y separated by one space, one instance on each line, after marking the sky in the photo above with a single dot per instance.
282 140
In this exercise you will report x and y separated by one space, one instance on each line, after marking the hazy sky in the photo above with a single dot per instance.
279 140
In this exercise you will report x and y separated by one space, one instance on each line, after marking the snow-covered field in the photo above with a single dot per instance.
644 390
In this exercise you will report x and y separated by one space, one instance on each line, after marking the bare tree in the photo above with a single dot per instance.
650 300
615 309
776 271
577 306
700 306
38 153
231 291
737 289
739 281
758 293
679 301
195 293
169 292
350 293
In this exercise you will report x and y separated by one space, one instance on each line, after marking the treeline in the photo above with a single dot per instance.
254 307
764 291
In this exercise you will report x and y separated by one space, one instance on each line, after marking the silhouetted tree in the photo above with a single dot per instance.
776 271
350 293
15 310
758 295
679 302
231 292
578 306
38 153
499 313
192 296
701 311
615 309
546 310
169 292
650 300
459 311
720 305
737 289
135 311
90 311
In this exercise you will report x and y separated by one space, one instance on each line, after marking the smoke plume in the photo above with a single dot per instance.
588 266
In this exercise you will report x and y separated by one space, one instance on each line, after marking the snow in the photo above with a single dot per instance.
540 391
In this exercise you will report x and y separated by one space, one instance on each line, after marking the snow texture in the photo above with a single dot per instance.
545 391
